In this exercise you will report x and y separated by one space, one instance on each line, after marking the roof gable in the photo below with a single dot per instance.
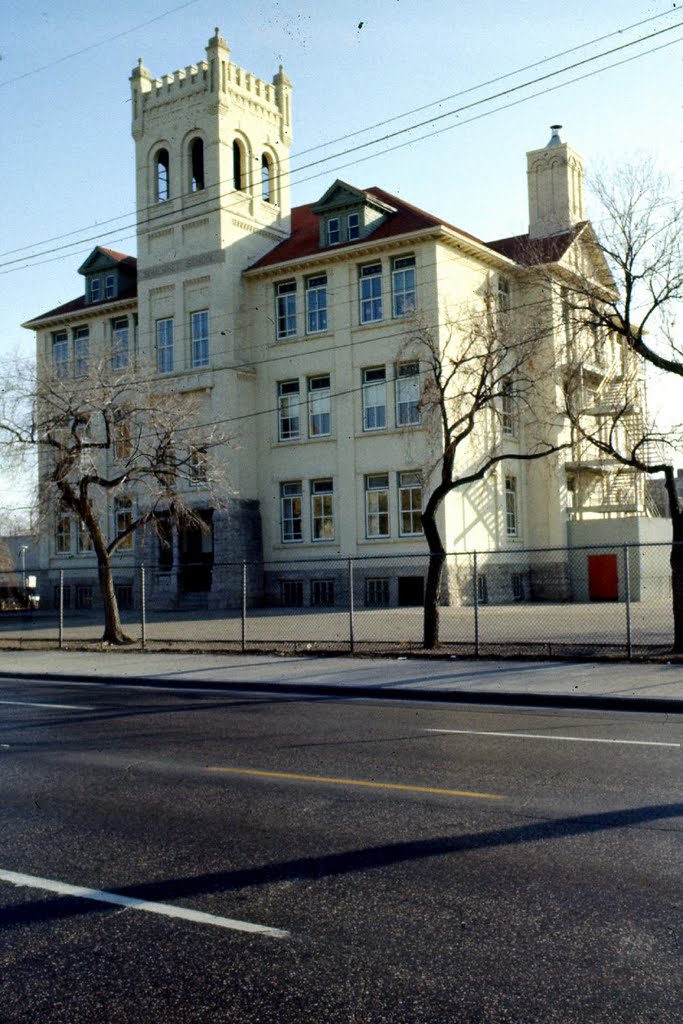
341 195
105 259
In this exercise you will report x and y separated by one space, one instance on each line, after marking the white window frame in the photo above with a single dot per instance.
95 289
198 468
410 493
319 406
63 532
285 309
403 286
291 512
377 506
109 286
123 517
199 335
508 411
164 342
372 390
511 507
370 293
120 330
334 231
503 294
84 543
322 511
288 410
353 227
407 394
81 351
60 353
316 304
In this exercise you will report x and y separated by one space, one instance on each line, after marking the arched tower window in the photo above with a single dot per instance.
239 166
162 176
197 182
267 179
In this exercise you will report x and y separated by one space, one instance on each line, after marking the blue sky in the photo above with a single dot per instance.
67 156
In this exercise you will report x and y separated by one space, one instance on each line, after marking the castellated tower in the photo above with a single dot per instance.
212 181
555 180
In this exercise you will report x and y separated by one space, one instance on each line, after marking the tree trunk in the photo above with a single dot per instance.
437 559
113 632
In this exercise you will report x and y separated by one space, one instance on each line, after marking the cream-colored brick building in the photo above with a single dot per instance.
297 327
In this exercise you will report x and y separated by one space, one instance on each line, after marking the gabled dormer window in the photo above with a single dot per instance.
95 289
353 227
333 231
109 286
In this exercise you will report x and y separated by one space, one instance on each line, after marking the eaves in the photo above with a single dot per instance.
78 315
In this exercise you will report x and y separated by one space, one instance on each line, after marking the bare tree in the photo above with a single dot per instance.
635 301
107 437
490 365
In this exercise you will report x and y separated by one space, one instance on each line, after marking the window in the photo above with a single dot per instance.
121 344
333 231
109 286
289 428
319 406
60 353
124 595
238 166
410 504
285 300
164 329
353 226
322 513
517 583
316 304
63 532
482 589
95 289
81 351
370 284
377 592
266 179
197 181
65 596
291 497
511 506
322 593
403 285
503 296
507 409
407 394
377 505
291 593
198 467
84 597
164 528
123 518
374 398
83 539
123 446
162 176
199 329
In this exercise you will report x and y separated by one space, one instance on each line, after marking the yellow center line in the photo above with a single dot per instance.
355 782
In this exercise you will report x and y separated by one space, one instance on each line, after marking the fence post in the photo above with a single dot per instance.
352 639
475 580
61 608
143 608
627 595
244 607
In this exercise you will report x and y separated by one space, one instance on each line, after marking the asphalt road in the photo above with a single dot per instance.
342 861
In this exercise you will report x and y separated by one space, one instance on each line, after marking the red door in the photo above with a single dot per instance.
603 579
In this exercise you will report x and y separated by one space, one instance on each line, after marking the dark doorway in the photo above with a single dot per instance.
195 553
410 591
603 578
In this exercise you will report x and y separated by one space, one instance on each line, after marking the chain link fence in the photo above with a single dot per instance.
579 601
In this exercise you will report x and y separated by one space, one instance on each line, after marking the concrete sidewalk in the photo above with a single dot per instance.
619 686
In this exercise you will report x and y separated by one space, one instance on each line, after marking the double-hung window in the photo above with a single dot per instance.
403 285
63 532
164 331
95 289
316 304
285 303
407 394
511 524
374 398
289 427
199 327
370 288
319 406
503 297
109 286
322 511
333 231
290 511
123 518
60 353
121 344
83 538
81 351
198 468
507 409
353 227
410 504
377 505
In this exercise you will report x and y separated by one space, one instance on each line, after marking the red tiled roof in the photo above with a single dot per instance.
120 257
76 305
530 251
304 239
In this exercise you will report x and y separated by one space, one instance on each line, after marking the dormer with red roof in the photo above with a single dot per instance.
349 215
108 274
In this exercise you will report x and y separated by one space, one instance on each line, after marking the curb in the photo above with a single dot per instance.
588 702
